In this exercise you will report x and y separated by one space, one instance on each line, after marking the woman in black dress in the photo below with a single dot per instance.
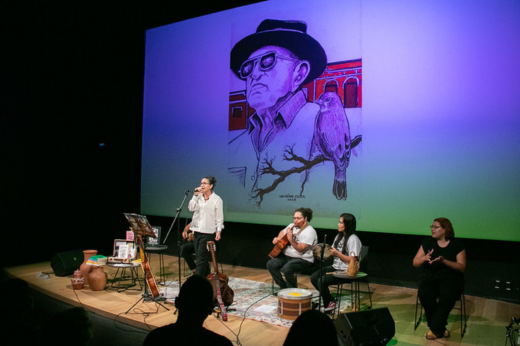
443 261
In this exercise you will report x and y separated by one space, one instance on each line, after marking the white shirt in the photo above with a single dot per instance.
208 216
307 236
353 244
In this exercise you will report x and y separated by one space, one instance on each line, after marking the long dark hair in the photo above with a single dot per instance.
349 221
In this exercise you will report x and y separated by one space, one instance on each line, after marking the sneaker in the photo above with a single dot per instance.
331 306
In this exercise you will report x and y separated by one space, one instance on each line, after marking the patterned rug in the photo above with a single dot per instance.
254 300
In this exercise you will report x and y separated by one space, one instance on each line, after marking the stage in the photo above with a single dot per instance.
486 323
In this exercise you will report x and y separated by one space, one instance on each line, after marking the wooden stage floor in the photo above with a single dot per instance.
487 318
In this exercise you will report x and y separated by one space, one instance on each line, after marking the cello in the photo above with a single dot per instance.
222 293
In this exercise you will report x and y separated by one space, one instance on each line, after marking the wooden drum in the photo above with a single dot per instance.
292 302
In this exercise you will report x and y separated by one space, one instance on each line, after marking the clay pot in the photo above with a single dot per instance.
85 268
97 278
78 280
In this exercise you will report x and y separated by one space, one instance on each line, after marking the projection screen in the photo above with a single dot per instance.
397 112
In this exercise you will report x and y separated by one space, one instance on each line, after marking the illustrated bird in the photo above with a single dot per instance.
332 139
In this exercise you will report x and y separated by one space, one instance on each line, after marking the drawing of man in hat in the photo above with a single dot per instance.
275 62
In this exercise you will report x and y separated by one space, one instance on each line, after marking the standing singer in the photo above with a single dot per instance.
207 221
297 255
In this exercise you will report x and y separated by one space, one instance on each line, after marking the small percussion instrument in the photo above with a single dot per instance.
353 267
317 251
292 302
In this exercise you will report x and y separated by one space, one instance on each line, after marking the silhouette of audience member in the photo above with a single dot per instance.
194 304
312 328
18 307
72 326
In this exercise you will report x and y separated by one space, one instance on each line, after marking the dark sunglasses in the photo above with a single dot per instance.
267 61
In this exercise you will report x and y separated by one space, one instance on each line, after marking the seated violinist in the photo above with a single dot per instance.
297 254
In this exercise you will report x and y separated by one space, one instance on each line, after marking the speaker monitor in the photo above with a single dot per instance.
65 263
369 327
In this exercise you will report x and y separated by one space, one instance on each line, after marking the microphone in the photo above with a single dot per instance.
186 192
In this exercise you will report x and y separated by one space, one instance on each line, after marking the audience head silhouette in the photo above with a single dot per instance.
71 326
312 328
195 300
194 304
21 327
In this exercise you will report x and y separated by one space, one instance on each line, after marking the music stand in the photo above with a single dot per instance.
141 227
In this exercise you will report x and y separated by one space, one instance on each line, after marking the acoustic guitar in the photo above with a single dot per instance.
282 243
223 295
278 247
149 278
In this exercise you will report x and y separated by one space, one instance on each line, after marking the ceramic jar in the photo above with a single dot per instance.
85 268
78 280
97 278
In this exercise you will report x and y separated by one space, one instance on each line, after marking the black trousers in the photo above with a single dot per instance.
438 297
202 255
322 283
289 266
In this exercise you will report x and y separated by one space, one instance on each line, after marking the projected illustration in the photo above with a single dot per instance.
290 120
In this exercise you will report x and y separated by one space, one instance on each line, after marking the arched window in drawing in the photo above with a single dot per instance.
331 86
351 92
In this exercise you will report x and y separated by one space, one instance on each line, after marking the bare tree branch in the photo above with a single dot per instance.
282 175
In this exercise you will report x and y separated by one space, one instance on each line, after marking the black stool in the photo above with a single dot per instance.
122 275
355 295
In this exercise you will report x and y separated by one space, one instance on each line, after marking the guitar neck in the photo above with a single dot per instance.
215 266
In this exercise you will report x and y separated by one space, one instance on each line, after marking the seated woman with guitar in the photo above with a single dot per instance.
346 245
293 249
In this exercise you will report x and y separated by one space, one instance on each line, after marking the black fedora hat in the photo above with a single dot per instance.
288 34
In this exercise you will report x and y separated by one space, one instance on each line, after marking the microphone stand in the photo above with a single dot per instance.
321 269
178 234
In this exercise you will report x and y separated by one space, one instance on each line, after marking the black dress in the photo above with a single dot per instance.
439 286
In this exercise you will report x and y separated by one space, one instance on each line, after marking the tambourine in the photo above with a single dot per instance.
317 251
